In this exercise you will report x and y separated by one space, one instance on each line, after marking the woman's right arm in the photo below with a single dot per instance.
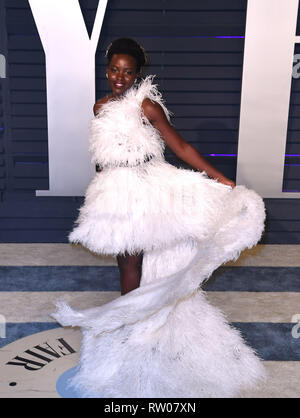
99 103
96 108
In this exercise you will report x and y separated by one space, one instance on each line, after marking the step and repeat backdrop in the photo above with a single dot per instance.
229 72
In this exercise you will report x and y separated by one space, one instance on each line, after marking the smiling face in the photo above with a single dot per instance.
121 73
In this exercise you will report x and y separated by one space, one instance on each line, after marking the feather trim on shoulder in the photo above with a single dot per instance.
120 133
146 89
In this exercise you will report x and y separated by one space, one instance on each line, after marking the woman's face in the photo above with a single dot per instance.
121 73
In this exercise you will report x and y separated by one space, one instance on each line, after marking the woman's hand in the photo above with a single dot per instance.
226 181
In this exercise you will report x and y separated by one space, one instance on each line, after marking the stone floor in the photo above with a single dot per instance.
260 295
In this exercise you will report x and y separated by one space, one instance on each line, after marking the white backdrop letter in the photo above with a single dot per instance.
70 73
2 66
267 76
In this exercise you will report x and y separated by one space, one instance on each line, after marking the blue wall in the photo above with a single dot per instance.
199 74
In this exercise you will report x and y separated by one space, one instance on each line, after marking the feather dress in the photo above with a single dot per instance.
163 339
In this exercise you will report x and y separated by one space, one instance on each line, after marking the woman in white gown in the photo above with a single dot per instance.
169 229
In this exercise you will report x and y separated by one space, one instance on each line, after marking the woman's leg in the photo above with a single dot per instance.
130 267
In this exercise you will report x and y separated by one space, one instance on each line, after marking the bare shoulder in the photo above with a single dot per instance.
99 103
152 110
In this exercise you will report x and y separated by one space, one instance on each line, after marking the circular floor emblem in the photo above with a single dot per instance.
40 365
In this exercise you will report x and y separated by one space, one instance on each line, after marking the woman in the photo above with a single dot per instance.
169 228
122 72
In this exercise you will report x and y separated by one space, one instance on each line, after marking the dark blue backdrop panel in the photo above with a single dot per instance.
196 51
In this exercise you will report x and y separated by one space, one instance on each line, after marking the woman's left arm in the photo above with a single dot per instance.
155 114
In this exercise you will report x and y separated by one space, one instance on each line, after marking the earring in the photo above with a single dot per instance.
106 75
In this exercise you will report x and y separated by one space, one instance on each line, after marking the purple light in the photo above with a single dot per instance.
234 155
222 155
229 37
198 36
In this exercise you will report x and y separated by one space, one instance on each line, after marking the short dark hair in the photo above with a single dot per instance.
130 47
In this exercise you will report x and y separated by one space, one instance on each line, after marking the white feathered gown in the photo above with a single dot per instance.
163 339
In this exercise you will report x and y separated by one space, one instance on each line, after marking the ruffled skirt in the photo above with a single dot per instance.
164 339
